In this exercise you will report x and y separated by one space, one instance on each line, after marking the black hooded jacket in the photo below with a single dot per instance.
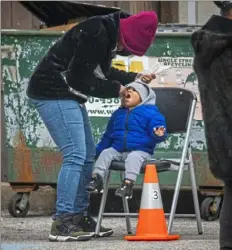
76 55
213 65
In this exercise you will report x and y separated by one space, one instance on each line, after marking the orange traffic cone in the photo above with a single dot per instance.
151 222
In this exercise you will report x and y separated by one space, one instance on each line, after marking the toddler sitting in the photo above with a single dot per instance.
131 135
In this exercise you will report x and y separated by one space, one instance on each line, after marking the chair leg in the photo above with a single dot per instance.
175 197
195 196
128 220
102 205
126 210
181 168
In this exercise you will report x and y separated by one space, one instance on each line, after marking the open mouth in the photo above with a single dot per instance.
127 96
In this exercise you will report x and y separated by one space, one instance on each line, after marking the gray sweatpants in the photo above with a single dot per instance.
133 162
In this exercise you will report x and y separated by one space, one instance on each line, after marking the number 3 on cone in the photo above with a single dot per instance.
155 195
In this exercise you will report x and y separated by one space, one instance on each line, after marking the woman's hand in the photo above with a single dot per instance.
121 91
146 78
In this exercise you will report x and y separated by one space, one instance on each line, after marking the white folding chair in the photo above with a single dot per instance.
178 106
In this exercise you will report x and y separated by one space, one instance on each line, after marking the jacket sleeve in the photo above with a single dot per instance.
157 121
122 76
90 48
106 140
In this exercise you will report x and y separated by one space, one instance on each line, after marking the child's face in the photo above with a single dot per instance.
131 98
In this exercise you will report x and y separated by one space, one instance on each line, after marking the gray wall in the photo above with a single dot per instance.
204 9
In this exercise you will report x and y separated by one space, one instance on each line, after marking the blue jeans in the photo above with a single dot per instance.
69 126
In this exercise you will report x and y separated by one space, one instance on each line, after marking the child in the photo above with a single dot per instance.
132 133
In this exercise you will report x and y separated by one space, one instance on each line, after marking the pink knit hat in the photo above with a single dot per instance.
138 31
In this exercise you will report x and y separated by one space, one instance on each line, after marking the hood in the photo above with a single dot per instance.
151 96
212 39
111 23
224 6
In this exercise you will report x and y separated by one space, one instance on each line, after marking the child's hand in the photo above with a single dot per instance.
159 131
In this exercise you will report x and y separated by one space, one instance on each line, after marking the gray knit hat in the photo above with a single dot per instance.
140 88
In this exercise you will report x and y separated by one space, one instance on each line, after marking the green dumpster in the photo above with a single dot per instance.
32 157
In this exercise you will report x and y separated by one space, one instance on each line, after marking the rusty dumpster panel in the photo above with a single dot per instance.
32 154
203 174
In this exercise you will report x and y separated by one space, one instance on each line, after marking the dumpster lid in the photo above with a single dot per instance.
55 13
177 28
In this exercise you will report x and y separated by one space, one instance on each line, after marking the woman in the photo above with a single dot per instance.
213 65
75 67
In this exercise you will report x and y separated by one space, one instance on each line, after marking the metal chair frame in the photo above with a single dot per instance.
184 163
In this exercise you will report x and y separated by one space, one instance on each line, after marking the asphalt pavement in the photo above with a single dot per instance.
31 233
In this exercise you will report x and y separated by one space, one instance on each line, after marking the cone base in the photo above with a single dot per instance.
153 237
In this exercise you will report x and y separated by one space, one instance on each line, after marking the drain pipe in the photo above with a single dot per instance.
192 12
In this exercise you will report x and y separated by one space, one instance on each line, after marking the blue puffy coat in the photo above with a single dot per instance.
130 130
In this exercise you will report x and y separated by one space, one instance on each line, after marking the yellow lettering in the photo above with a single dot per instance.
118 64
136 66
